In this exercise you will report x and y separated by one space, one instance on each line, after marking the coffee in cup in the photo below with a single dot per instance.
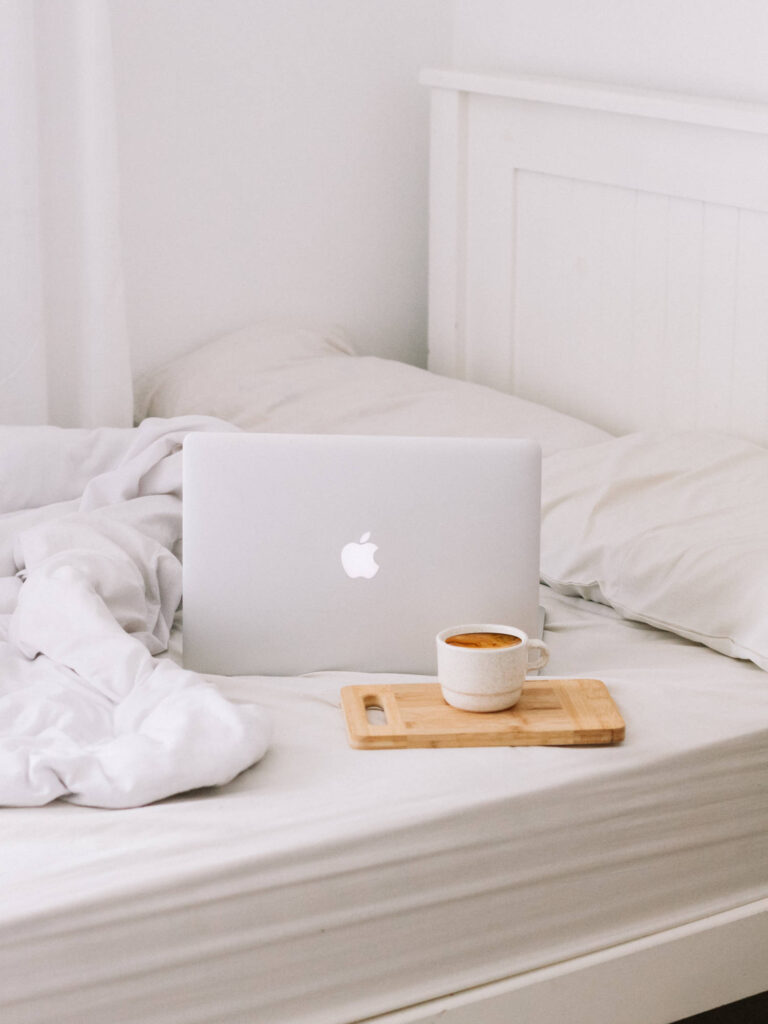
482 667
483 640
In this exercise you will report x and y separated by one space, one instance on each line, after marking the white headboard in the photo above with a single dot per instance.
601 250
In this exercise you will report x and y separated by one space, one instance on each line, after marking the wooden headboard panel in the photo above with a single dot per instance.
603 251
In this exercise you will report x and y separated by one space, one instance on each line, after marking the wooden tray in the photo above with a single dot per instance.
550 712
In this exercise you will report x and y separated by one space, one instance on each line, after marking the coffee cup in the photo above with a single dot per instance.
482 666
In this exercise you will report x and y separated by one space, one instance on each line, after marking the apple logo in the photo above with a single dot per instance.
358 560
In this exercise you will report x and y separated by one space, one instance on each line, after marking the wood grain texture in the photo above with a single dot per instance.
550 712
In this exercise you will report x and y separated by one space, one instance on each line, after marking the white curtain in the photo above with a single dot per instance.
64 355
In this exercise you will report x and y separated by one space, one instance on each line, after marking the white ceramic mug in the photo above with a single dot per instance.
486 678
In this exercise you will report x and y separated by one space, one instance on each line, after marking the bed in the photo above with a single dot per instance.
629 884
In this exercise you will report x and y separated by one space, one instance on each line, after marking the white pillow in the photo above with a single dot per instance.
672 531
307 382
219 374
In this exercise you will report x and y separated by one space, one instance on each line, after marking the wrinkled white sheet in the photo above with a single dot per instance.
90 579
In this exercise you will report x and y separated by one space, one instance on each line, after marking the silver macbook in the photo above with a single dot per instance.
312 552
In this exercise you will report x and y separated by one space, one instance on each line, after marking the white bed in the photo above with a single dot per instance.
328 886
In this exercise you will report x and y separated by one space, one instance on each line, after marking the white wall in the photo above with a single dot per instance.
273 160
273 153
712 47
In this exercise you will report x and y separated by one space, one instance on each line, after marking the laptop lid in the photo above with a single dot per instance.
312 552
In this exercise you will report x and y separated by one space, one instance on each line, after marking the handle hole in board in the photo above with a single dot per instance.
375 714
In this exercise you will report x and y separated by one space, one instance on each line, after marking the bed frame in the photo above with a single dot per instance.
605 251
601 250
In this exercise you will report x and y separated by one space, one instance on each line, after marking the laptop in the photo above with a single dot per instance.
305 553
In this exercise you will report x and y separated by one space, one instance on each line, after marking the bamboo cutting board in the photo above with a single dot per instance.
550 712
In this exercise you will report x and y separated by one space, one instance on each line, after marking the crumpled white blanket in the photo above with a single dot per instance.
90 579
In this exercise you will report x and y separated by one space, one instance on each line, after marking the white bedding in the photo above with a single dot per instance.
90 526
328 884
268 377
670 529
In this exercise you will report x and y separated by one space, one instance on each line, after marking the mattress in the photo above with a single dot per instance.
328 885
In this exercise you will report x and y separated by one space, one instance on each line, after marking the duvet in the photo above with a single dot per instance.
90 580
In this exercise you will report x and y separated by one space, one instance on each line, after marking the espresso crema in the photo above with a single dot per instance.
483 640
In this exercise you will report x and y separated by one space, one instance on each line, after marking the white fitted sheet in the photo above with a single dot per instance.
328 884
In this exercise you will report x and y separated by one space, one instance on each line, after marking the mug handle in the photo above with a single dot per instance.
542 655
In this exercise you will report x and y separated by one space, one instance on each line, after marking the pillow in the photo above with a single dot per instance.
219 373
671 531
302 381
